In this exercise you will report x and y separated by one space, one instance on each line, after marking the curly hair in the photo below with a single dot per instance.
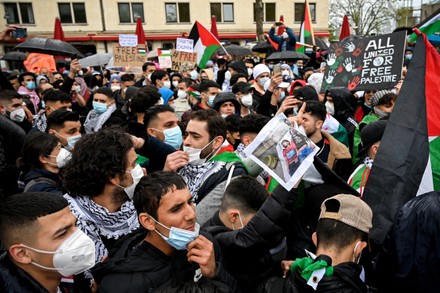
97 157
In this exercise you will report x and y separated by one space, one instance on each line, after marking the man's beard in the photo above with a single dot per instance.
119 196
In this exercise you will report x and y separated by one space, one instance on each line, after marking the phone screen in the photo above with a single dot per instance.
276 69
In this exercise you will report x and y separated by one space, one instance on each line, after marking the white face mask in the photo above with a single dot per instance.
149 77
330 107
70 140
285 73
62 158
227 75
263 81
247 100
194 154
167 84
181 94
250 71
160 102
175 83
224 115
75 255
115 87
194 74
137 173
17 115
78 88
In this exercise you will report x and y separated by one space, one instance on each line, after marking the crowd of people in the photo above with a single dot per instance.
117 182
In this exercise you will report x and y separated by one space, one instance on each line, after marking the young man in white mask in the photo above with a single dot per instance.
162 123
12 107
243 92
65 126
204 164
170 249
160 79
39 233
181 100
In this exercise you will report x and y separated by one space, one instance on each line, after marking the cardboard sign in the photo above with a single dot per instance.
128 40
129 56
179 57
366 63
185 45
165 60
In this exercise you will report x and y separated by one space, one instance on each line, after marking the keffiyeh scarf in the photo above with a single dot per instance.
368 162
95 121
96 221
196 175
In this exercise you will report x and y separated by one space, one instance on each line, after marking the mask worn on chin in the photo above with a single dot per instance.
181 94
330 107
179 238
17 115
175 83
194 154
75 255
381 113
247 100
167 84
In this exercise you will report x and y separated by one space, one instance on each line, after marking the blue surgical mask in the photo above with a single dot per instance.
30 85
211 101
99 107
70 140
282 96
179 238
173 136
263 81
408 56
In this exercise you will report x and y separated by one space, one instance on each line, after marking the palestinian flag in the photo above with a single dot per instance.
429 26
332 126
205 43
141 50
306 30
408 161
274 44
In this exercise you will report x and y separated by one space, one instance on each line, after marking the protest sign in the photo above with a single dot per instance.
178 58
365 63
129 56
185 45
165 60
283 151
128 40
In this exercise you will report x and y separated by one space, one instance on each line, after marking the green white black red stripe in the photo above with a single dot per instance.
205 43
429 26
306 29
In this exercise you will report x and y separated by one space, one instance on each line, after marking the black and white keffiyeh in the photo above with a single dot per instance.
96 221
95 121
196 175
368 162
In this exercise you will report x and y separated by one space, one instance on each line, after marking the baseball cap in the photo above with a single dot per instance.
348 209
370 134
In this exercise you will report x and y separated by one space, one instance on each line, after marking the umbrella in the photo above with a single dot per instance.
287 55
233 50
49 46
99 59
345 29
262 47
214 30
14 56
58 33
140 32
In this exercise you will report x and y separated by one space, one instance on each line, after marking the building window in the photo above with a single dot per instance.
19 13
268 12
224 12
177 12
129 12
72 12
299 12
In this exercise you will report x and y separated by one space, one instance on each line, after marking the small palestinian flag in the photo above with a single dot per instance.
408 161
306 30
205 43
141 51
429 26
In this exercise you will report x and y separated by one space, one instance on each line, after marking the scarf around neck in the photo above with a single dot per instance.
96 221
95 121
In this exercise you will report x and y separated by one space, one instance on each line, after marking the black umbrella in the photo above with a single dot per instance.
262 47
49 46
14 56
233 50
287 55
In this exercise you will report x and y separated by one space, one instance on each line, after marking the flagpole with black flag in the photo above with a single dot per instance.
407 163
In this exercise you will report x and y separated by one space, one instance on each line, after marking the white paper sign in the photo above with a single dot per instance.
283 151
128 40
185 45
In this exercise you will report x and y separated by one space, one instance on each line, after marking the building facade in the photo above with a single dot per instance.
92 25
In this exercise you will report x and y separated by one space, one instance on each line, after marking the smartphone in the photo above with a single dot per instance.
276 69
278 23
19 33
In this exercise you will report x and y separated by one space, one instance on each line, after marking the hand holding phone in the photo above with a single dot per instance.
276 69
19 33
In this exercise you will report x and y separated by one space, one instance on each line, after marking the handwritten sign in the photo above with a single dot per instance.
179 57
366 63
129 56
128 40
165 60
185 45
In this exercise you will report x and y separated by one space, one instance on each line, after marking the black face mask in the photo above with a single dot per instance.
236 143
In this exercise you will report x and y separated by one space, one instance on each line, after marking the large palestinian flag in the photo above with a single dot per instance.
306 30
408 160
205 43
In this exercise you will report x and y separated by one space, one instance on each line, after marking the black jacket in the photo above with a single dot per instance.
255 252
345 279
15 280
43 180
138 266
